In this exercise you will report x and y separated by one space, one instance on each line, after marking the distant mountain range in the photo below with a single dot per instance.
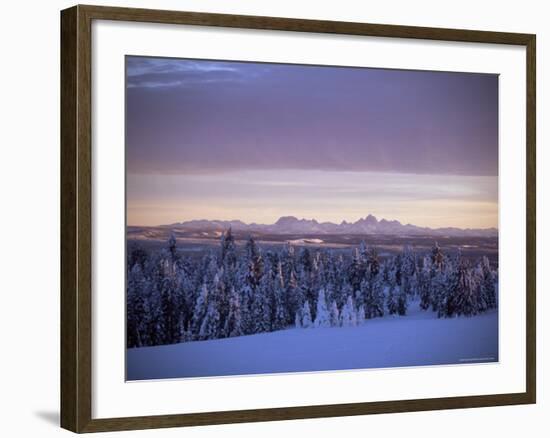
368 225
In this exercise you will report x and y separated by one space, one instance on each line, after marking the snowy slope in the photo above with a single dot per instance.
419 338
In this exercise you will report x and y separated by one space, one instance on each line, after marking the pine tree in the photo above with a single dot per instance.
330 294
255 263
154 318
464 296
136 328
447 290
232 326
319 276
210 324
170 303
360 315
322 318
372 291
136 254
402 302
247 306
271 263
336 277
358 268
288 262
305 269
367 299
305 260
201 307
172 249
438 289
293 296
347 292
394 292
185 333
334 315
408 271
437 257
424 284
187 292
298 320
220 295
229 293
391 300
253 298
211 269
373 264
486 283
348 317
228 249
306 316
280 315
261 308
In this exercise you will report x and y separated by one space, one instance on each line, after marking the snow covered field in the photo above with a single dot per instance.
419 338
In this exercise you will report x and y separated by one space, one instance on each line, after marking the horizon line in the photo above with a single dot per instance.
312 220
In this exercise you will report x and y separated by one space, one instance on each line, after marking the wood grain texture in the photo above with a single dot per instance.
531 213
69 330
76 186
300 25
76 220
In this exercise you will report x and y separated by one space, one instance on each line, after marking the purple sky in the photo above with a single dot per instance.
204 137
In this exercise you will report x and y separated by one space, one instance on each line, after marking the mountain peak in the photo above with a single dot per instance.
368 225
285 220
370 219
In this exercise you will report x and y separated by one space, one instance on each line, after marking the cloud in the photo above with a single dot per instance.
263 196
142 72
321 185
213 116
260 140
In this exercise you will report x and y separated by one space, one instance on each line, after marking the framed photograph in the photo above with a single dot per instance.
270 218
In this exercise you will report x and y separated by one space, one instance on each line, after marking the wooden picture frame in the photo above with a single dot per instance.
76 218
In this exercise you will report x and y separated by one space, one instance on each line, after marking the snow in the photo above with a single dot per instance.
304 241
418 339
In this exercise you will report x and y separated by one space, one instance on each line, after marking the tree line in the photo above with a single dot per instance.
235 291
